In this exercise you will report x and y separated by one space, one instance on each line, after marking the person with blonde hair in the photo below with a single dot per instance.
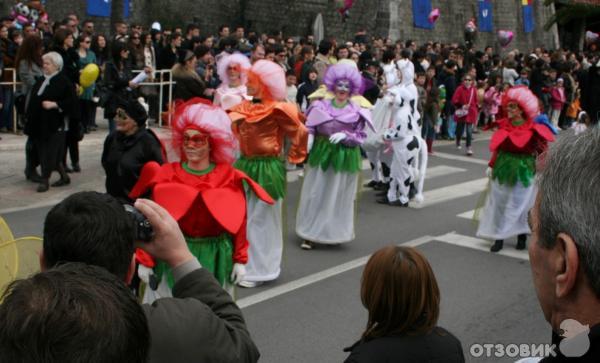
401 294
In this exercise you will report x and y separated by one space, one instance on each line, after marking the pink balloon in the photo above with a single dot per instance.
434 15
505 37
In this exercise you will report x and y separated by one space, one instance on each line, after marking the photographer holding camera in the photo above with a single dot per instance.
201 323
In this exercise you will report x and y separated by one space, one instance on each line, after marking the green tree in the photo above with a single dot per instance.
572 12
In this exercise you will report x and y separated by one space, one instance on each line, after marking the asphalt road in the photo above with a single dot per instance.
313 310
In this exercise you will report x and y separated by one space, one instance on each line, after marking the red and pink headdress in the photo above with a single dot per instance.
196 114
526 100
271 76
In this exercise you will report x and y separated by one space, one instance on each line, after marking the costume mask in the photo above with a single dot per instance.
196 145
342 86
515 114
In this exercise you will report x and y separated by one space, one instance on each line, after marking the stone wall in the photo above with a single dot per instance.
391 18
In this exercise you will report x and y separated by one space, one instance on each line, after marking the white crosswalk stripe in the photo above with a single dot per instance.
467 215
467 159
452 192
481 245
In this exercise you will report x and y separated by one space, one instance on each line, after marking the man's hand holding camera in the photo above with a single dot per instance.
168 243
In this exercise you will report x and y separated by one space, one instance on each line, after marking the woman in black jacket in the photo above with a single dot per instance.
51 100
128 149
117 81
401 294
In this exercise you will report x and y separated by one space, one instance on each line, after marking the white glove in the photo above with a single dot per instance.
311 141
488 172
337 137
238 273
144 273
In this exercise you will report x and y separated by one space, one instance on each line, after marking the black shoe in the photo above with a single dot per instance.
61 182
383 200
398 203
412 191
35 178
497 245
381 194
43 187
76 168
382 186
521 241
371 184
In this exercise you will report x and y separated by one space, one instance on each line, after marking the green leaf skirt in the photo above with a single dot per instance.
337 156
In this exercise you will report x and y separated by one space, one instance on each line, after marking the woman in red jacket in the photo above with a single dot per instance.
465 103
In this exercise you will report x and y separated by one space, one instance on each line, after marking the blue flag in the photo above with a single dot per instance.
102 8
528 21
485 19
421 10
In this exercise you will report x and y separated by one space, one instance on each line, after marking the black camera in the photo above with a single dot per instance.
143 228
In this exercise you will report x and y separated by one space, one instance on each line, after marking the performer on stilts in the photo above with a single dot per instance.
336 129
514 146
204 193
261 125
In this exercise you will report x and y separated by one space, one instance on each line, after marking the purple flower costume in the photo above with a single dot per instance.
328 199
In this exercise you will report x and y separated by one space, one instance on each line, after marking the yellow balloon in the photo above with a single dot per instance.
89 75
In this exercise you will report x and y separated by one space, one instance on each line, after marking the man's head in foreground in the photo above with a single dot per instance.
72 313
565 246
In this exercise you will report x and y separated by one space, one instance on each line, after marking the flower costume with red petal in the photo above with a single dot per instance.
209 205
515 147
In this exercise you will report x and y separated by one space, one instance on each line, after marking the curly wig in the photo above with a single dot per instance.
346 72
526 100
196 114
235 58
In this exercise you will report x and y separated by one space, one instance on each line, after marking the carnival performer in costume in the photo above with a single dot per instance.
336 130
514 146
203 192
409 162
232 70
378 154
261 125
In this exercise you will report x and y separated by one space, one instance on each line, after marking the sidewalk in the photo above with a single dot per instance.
16 193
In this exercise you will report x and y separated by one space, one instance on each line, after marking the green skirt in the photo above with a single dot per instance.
214 254
510 168
268 171
338 156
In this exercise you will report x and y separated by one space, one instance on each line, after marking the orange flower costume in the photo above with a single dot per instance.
261 126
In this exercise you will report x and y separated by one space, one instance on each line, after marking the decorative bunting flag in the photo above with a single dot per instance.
102 8
421 10
485 18
528 20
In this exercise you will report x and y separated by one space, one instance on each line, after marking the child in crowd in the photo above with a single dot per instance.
290 82
523 78
573 111
491 101
557 100
306 89
582 124
431 118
